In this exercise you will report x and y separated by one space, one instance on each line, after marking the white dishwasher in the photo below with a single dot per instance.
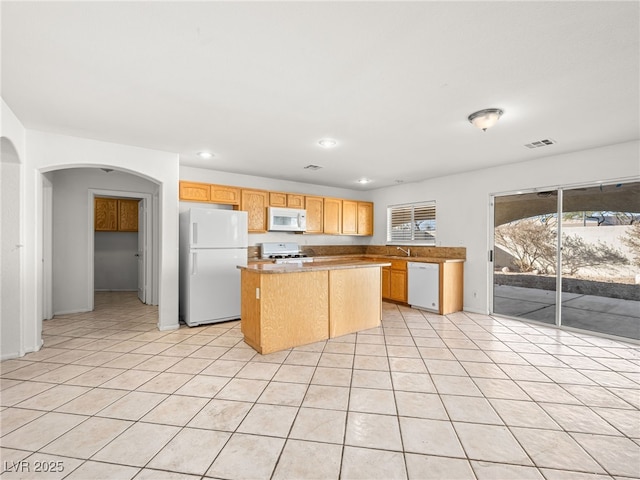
424 285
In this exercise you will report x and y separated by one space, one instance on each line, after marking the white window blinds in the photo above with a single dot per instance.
412 223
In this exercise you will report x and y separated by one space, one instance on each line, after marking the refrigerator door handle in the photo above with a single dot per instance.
194 233
194 263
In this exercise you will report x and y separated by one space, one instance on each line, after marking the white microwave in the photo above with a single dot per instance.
287 219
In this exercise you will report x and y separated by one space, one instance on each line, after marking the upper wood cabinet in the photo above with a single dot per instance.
255 203
315 214
277 199
224 194
332 216
286 200
365 218
195 192
349 217
115 215
357 218
105 214
128 215
295 201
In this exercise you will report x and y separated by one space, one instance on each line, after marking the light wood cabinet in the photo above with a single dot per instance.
115 215
386 282
332 217
277 199
284 311
394 280
357 218
195 192
286 200
295 201
365 218
398 288
451 287
315 214
255 203
349 217
128 215
105 214
224 194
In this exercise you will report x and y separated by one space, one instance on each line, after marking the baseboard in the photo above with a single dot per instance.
114 290
69 312
475 310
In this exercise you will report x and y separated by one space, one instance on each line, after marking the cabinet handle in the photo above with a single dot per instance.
194 263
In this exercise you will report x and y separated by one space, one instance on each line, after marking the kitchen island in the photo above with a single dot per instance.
288 305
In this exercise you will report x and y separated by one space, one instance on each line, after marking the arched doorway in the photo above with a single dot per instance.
73 191
11 255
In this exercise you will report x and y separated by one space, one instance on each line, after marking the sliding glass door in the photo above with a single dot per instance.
570 257
524 255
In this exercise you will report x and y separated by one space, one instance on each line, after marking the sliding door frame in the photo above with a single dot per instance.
560 189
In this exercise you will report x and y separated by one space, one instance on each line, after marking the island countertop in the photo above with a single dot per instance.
315 266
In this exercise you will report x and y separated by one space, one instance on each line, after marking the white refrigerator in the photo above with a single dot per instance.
213 243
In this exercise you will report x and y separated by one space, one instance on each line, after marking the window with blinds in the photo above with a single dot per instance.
412 223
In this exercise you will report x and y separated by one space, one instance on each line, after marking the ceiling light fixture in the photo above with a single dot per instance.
327 143
486 118
205 155
364 181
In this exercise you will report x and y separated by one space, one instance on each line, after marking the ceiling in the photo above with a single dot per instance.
259 83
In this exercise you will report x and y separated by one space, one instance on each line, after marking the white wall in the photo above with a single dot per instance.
462 201
71 205
49 152
17 337
115 262
262 183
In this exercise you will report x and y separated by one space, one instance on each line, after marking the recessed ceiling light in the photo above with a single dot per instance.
205 154
327 143
364 180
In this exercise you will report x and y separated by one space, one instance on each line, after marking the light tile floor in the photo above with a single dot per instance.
462 396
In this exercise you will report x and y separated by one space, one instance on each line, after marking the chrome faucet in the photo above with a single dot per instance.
407 251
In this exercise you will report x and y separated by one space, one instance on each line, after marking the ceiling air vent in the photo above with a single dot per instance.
540 143
312 167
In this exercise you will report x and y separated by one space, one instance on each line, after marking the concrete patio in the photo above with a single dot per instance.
588 312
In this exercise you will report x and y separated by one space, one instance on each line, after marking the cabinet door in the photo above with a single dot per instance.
194 192
255 202
365 218
128 215
332 216
277 199
105 214
398 285
295 201
386 282
349 217
314 207
224 194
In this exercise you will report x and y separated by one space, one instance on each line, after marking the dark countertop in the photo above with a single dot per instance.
319 264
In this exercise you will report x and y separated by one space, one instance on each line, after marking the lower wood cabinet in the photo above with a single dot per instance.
285 310
394 280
